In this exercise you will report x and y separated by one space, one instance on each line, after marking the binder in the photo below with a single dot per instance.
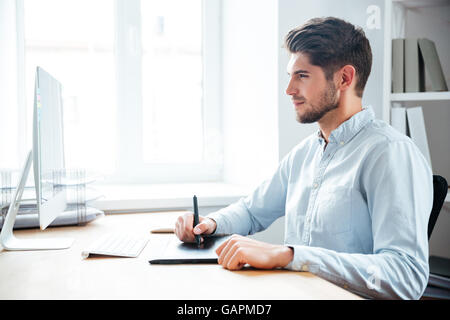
414 68
432 64
398 118
417 131
398 65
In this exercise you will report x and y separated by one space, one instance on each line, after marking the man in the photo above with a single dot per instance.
356 195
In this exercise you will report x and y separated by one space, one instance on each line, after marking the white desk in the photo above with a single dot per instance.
63 274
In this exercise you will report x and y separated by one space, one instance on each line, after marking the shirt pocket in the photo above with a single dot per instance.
334 210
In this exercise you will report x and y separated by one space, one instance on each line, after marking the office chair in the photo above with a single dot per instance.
440 188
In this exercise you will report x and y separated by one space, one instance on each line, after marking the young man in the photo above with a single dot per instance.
356 195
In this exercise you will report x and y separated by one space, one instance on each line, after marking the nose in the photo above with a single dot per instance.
291 90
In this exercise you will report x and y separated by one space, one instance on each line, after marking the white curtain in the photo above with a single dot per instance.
14 133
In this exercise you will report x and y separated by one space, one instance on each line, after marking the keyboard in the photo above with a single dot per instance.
114 244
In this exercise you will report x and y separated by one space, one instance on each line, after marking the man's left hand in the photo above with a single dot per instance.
238 251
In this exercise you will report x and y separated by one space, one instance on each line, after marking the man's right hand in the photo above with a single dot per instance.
184 227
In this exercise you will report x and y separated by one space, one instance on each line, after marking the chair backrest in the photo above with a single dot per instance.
440 189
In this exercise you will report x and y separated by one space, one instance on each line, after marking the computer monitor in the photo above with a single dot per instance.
47 157
48 147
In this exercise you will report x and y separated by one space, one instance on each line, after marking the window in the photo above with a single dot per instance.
141 84
172 74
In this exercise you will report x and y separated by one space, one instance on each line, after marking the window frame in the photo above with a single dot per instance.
127 49
128 55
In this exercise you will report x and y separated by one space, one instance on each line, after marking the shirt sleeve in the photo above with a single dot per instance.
260 209
398 185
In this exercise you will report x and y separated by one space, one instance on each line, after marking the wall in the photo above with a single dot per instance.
249 90
433 23
9 129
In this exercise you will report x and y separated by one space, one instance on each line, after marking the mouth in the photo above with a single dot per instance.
298 103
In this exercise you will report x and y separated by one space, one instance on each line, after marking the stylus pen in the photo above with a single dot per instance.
197 237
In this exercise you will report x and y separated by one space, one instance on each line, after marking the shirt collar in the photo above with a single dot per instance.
348 129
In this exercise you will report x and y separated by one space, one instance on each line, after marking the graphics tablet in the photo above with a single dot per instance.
182 252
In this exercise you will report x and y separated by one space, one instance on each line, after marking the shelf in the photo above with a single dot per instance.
417 4
420 96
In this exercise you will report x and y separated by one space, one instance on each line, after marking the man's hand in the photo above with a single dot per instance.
238 250
184 227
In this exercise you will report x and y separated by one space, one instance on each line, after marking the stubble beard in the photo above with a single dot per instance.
328 101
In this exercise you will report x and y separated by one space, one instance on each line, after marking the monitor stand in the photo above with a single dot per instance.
7 238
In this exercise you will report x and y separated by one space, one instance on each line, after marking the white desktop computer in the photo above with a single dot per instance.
47 157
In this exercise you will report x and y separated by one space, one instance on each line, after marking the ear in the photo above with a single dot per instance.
347 77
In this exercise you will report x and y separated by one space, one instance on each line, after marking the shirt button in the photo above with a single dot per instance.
342 143
304 267
315 185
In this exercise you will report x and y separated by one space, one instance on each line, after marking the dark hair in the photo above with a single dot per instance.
331 43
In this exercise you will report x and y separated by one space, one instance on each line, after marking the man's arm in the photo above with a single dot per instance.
260 209
399 190
247 216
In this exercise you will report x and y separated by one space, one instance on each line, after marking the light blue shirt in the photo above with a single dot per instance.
356 210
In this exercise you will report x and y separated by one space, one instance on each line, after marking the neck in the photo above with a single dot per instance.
346 109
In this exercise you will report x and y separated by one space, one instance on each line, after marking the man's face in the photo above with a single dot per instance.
312 94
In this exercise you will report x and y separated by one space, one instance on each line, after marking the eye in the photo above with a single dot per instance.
302 75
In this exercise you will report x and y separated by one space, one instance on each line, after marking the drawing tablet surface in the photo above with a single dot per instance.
182 252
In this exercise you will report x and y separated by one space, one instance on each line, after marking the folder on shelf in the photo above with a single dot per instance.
398 118
432 64
414 69
416 125
398 65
